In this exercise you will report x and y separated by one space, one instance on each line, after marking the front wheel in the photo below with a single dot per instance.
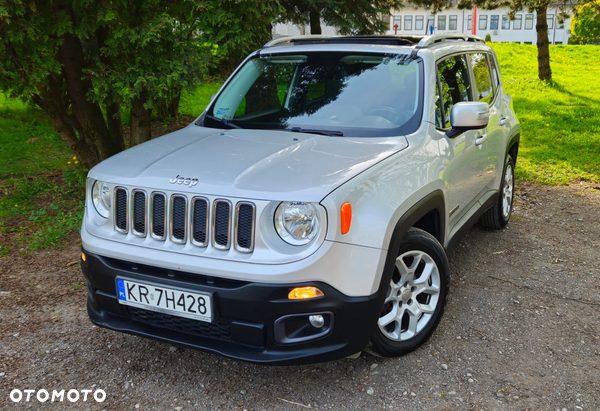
416 295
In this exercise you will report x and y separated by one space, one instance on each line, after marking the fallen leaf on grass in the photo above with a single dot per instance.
72 263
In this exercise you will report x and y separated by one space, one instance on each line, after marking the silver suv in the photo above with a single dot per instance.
304 216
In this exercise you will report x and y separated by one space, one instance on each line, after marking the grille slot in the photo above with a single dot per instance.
218 330
159 216
178 218
121 210
200 221
138 213
221 224
244 227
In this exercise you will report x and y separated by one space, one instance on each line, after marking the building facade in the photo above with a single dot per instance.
418 22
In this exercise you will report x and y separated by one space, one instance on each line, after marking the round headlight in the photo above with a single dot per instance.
101 198
296 223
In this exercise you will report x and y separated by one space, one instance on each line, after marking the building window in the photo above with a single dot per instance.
482 22
494 22
441 23
398 21
518 22
452 22
430 24
505 22
408 23
418 22
528 21
550 21
469 23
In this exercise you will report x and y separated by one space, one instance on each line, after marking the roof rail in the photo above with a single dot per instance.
428 41
317 39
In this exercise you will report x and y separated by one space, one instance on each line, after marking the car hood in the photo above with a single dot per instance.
253 164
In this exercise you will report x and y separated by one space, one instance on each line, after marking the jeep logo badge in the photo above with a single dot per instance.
186 181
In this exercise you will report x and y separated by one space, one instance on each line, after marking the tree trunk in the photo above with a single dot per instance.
169 109
315 21
141 121
51 100
115 124
91 125
541 27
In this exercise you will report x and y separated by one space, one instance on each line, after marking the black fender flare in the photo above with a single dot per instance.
515 139
433 201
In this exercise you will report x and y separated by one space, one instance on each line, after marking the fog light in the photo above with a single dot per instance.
302 293
316 321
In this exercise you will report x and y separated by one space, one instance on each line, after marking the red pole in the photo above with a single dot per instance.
474 22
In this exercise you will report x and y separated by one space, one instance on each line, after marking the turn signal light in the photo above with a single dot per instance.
83 256
346 213
303 293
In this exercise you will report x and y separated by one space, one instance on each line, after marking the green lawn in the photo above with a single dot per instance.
41 184
560 137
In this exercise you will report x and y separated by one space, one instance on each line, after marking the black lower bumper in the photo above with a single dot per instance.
253 322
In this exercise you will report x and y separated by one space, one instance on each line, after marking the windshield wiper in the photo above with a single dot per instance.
222 121
330 133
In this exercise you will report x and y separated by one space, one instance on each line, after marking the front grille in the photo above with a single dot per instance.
121 210
203 222
139 212
244 229
200 221
217 330
178 218
222 224
159 216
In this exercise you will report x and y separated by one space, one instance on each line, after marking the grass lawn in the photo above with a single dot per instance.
41 184
560 136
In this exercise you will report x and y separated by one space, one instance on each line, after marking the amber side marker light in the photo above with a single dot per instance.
83 256
303 293
346 213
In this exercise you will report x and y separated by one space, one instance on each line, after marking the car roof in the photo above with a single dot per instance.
438 44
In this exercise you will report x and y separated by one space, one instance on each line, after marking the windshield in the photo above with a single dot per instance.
336 93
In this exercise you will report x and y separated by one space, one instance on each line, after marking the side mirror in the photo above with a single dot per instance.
468 115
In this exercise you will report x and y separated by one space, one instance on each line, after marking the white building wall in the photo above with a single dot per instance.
413 21
285 30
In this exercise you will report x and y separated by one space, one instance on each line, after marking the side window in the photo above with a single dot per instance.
483 80
455 87
495 75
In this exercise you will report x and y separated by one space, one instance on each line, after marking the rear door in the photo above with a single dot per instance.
492 138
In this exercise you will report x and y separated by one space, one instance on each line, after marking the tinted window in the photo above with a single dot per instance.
483 80
455 87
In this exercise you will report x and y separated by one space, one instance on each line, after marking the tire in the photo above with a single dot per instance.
418 289
497 216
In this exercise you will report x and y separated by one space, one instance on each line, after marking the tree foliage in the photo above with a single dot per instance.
83 60
585 24
348 17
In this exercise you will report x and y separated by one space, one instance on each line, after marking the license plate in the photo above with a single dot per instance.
197 306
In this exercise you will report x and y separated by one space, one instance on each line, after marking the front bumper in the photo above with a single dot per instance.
245 325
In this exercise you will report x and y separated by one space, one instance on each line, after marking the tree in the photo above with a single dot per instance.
83 60
360 17
585 24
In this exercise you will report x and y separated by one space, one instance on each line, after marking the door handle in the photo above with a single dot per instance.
480 139
503 121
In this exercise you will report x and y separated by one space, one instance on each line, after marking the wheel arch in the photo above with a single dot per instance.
512 147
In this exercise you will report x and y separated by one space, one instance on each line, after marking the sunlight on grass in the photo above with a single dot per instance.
560 137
